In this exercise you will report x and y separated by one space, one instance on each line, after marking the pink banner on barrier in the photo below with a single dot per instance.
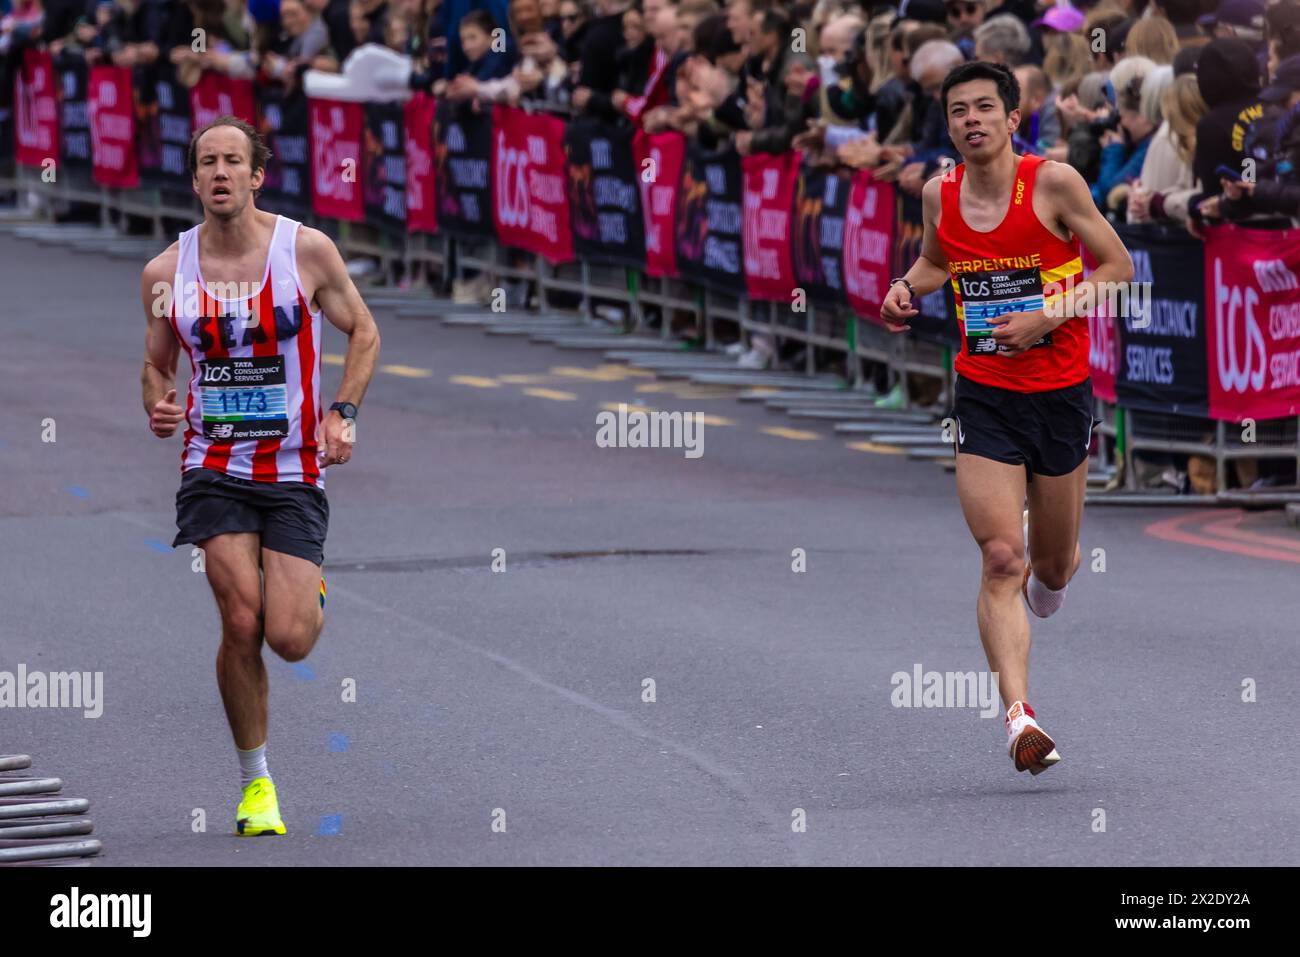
112 127
530 204
36 110
1252 305
1103 340
421 200
336 129
217 95
868 241
768 201
659 159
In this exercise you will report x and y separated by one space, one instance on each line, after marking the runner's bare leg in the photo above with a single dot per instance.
992 498
232 563
1055 513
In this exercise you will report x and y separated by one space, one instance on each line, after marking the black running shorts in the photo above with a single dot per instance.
291 517
1047 432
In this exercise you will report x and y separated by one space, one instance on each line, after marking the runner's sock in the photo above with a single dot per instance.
1042 599
252 764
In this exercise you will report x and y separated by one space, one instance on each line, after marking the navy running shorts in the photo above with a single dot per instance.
1049 433
291 517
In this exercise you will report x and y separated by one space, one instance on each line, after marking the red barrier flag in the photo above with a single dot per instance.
219 95
36 110
768 202
421 199
336 129
1103 339
112 127
1252 305
659 159
530 204
868 242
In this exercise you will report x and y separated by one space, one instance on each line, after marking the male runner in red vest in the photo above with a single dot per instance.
244 293
1005 228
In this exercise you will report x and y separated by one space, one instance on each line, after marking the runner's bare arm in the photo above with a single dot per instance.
1072 206
161 350
324 271
928 273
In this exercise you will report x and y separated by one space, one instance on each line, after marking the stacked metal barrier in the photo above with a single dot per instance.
39 826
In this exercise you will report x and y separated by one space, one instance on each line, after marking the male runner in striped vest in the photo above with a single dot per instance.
244 293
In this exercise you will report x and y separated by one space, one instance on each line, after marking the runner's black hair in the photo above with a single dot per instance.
1007 84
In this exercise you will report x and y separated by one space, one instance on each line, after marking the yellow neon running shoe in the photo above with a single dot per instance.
259 811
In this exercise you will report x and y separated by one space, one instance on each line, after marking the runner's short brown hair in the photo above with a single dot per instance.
259 154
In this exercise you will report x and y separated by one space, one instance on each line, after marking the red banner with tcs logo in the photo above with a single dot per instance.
336 159
868 243
530 203
1252 304
36 110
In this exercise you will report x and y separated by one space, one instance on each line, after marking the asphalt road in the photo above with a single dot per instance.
517 696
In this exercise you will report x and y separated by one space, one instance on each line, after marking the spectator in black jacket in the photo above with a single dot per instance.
1228 76
1277 190
598 77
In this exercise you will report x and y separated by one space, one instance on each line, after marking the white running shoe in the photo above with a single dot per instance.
1029 746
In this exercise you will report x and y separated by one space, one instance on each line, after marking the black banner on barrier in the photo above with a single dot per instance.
462 157
710 220
73 78
285 123
821 201
173 130
604 196
383 167
937 319
1161 324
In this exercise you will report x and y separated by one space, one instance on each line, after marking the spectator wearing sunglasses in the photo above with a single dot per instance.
963 17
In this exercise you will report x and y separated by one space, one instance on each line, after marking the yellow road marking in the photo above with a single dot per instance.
332 359
477 381
608 372
713 419
630 406
553 394
685 391
406 372
516 378
875 447
799 435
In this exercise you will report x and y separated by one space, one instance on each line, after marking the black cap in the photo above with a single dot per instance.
1285 81
926 11
1185 60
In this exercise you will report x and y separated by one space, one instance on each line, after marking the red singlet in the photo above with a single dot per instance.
1003 271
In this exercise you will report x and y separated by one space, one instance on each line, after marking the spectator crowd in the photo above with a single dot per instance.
1175 111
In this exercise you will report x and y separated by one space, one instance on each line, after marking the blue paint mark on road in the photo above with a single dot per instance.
338 742
158 546
77 491
331 825
389 768
302 671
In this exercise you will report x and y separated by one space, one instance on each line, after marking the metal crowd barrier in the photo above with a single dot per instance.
716 318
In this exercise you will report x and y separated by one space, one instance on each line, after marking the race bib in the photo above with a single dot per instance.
987 295
244 399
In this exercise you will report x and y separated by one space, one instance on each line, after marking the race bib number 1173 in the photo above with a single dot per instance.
244 398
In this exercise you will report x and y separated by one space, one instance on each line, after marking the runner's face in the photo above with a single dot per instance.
224 179
977 121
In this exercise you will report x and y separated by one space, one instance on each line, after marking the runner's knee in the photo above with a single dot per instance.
1003 560
241 628
292 642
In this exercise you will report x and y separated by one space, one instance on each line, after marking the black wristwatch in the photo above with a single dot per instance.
910 291
345 409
